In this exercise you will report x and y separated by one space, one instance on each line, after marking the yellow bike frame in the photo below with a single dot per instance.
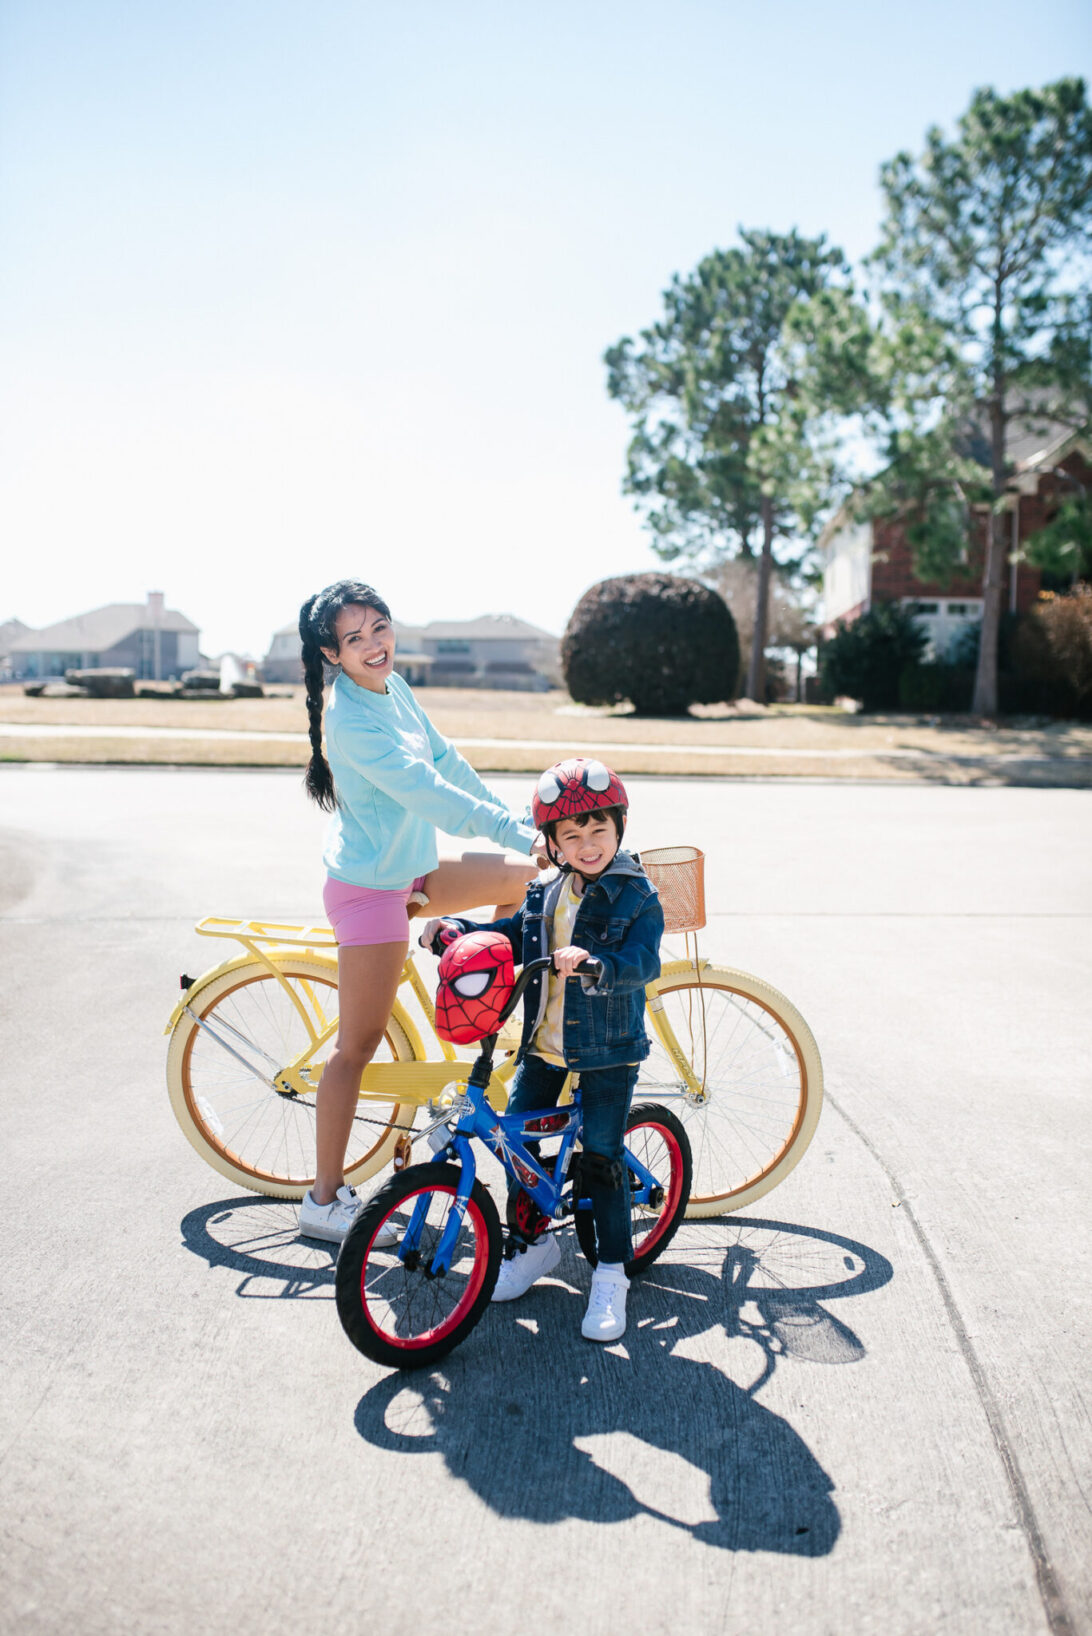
269 942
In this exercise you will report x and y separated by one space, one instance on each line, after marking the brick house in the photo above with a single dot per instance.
870 560
155 642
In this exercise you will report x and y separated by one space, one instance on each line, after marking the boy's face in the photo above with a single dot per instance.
587 847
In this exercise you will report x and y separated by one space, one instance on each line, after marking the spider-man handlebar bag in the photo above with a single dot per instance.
477 976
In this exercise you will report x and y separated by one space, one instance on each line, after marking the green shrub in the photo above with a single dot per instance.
865 660
660 641
935 688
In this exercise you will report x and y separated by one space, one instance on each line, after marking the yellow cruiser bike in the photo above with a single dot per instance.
730 1056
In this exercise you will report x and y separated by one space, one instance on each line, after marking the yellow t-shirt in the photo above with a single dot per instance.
548 1042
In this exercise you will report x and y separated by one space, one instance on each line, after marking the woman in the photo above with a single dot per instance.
391 781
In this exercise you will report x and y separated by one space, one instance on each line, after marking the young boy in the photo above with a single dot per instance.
600 904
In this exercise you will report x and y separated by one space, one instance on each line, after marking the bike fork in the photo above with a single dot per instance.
441 1260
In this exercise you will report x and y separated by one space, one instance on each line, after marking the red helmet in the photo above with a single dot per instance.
577 785
476 981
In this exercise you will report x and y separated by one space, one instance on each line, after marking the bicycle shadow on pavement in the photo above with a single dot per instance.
258 1237
545 1426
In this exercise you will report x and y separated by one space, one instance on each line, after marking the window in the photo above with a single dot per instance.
453 646
925 608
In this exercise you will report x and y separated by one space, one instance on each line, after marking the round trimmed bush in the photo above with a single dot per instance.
864 660
658 640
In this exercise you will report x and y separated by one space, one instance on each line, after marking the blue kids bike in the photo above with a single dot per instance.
418 1266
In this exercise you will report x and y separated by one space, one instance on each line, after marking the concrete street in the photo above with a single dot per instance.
884 1430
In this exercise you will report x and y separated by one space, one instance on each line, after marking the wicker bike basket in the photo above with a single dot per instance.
678 874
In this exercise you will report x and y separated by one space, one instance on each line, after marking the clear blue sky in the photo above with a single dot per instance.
294 291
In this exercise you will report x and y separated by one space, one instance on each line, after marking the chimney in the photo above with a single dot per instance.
155 604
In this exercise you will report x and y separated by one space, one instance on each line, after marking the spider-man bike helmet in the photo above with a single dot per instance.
571 787
476 981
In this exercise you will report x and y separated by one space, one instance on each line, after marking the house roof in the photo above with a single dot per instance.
404 633
1033 446
1049 449
486 626
408 639
10 629
101 629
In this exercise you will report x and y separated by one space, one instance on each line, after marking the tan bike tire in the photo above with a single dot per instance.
247 1131
763 1075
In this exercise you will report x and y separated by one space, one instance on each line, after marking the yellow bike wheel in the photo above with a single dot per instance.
759 1077
222 1076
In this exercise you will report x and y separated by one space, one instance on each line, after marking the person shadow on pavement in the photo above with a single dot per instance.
543 1425
530 1416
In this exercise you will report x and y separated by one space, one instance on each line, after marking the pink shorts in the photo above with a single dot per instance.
361 915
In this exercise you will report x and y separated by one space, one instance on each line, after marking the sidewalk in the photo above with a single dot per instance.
23 741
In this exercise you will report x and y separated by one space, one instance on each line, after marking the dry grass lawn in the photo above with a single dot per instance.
956 749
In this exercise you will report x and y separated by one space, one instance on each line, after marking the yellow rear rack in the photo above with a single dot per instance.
318 936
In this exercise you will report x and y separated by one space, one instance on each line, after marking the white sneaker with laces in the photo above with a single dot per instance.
332 1221
517 1275
605 1319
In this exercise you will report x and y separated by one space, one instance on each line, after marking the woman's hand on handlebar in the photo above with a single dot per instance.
568 961
432 929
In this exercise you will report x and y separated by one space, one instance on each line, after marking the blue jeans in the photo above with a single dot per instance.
605 1096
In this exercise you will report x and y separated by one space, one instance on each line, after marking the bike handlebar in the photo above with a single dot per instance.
587 968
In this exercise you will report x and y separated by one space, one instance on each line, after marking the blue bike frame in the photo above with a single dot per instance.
506 1135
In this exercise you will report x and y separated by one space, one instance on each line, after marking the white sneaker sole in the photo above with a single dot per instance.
325 1235
386 1239
603 1335
499 1294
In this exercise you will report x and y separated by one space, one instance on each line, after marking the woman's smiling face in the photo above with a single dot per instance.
365 646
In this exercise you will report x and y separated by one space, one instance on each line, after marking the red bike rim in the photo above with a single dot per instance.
670 1140
474 1279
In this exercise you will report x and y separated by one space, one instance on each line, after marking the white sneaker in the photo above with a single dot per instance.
605 1319
516 1276
332 1221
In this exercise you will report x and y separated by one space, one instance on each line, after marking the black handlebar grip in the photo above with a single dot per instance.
590 968
444 938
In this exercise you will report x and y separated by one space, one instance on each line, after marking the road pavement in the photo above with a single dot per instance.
860 1407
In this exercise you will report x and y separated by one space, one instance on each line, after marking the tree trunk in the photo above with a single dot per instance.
756 670
985 681
984 702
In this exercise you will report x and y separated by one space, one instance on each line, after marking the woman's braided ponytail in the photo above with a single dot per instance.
318 779
317 618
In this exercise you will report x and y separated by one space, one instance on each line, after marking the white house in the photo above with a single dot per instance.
153 641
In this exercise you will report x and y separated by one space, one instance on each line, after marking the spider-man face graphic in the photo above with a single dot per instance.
476 981
575 786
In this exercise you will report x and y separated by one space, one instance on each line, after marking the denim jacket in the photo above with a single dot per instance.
620 923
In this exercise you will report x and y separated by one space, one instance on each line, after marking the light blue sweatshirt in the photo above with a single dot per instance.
397 781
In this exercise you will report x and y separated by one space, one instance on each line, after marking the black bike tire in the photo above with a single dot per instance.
646 1113
358 1242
